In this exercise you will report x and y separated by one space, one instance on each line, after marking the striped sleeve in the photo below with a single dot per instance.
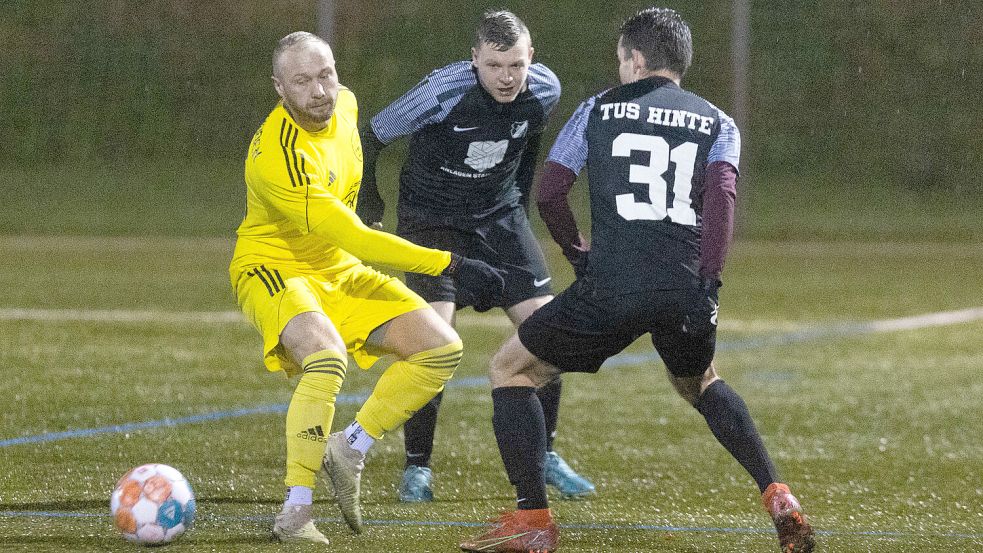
544 85
284 176
727 146
570 148
426 103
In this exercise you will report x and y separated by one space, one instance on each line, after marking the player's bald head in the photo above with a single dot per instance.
295 42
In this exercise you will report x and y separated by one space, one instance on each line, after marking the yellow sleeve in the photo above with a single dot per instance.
313 209
342 227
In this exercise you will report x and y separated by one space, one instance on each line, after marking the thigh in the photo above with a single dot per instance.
270 298
577 332
308 333
519 312
411 333
686 349
366 301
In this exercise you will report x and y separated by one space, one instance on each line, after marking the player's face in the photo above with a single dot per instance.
503 74
308 84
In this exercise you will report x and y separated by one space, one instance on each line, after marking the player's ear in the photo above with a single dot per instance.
277 85
474 56
531 52
638 63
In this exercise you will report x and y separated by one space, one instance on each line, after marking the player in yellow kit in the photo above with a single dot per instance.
298 276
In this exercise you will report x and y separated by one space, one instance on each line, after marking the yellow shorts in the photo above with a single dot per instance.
357 301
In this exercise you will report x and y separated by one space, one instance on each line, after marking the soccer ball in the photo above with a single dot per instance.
153 505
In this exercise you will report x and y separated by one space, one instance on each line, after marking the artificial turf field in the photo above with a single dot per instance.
875 426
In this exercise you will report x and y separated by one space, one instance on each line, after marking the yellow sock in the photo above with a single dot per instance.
310 413
406 386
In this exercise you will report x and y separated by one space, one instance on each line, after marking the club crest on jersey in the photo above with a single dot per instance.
519 128
485 154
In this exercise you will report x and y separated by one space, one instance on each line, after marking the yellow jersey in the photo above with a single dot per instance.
301 190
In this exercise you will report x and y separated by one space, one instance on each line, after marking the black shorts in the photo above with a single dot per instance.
505 242
579 330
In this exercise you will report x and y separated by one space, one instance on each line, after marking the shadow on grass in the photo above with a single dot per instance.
114 543
73 505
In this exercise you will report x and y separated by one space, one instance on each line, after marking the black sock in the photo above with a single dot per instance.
521 434
549 397
729 420
418 433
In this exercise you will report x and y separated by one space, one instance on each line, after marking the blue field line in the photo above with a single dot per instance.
622 360
572 526
342 399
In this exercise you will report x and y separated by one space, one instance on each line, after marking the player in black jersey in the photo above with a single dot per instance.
474 129
662 167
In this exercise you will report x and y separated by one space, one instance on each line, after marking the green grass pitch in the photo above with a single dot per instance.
878 433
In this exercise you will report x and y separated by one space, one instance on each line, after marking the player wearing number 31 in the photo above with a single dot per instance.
662 167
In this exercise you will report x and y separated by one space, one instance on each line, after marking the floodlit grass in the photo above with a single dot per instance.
877 434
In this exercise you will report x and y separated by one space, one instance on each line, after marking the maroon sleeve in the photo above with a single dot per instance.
719 194
554 186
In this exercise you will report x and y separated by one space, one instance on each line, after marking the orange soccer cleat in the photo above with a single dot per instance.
529 531
794 533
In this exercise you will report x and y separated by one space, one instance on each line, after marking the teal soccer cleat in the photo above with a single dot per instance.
416 485
559 475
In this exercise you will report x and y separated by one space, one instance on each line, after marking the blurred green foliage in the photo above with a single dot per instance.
883 90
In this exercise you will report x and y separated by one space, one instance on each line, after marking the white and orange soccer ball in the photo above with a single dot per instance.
153 505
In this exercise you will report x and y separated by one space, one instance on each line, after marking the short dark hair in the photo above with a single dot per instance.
499 28
662 37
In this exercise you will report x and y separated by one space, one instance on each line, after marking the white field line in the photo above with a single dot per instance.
234 317
120 316
176 317
941 318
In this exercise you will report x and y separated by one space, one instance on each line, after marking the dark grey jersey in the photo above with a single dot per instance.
466 150
646 145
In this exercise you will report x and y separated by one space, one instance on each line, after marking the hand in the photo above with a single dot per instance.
702 315
580 261
370 207
485 281
579 256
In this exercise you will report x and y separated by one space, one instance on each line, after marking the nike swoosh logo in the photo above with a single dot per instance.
538 283
464 129
489 544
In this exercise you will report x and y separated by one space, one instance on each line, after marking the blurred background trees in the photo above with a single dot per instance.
881 90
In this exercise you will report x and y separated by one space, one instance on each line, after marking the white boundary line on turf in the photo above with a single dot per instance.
174 317
940 318
119 316
495 320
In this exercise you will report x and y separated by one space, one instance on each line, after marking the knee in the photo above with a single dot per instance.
320 385
440 361
691 387
514 365
309 333
688 388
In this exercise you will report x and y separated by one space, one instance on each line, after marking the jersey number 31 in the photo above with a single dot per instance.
683 156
